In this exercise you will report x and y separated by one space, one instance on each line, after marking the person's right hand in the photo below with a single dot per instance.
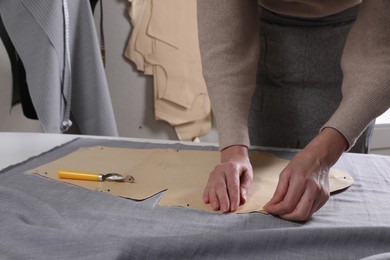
229 182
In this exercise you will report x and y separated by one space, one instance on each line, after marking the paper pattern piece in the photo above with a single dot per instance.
182 174
164 43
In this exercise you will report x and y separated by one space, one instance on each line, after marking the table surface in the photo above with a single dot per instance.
17 147
41 218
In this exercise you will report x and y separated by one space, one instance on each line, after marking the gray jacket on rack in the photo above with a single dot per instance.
57 43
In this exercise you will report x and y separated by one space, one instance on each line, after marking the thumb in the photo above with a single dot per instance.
243 195
244 189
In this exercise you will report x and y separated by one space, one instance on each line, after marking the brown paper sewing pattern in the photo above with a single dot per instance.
181 174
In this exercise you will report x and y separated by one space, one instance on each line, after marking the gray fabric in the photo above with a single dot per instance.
45 219
36 28
299 79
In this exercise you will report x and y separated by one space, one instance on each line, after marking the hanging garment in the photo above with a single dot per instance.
57 42
20 92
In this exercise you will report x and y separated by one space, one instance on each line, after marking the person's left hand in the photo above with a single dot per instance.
303 188
303 185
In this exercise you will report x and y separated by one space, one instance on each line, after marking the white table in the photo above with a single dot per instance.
17 147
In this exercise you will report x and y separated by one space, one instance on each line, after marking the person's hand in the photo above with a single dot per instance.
303 185
228 184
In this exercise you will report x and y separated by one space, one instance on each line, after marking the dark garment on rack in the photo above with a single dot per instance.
20 92
93 4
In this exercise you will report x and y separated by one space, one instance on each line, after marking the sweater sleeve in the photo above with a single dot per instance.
229 45
366 68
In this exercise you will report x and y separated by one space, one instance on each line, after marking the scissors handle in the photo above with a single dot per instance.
76 175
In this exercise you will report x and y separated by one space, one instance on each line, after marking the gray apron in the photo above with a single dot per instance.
299 79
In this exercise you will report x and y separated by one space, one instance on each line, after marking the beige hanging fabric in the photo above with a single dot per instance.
164 43
182 174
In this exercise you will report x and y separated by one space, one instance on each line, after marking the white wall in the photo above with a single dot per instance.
381 139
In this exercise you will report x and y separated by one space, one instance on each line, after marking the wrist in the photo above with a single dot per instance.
234 151
328 145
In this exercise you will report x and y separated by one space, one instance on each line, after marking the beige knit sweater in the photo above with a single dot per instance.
229 43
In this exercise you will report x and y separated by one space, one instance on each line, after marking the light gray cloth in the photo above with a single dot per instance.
37 30
299 79
44 219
